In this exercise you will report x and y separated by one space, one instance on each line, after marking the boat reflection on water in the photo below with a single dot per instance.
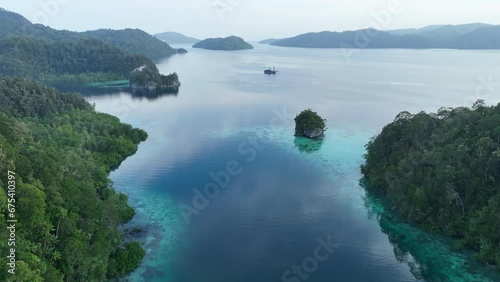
308 145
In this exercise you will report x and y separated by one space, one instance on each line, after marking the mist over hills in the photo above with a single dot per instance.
132 41
176 38
268 41
467 36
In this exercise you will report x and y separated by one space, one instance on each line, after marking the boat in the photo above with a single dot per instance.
270 71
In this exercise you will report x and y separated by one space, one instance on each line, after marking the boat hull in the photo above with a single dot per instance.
270 72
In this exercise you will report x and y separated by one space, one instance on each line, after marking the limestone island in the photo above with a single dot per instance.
231 43
309 124
147 77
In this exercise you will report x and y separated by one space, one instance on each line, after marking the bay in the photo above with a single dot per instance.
289 194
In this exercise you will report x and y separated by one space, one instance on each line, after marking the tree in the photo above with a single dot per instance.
68 211
308 120
31 205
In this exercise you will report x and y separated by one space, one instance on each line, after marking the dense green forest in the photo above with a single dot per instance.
149 77
442 171
79 62
70 63
65 58
131 41
68 213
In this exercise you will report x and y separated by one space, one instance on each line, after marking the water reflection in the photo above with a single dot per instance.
112 89
308 145
152 95
429 256
295 189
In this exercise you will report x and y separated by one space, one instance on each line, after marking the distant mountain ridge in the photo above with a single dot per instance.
176 38
366 38
441 32
64 58
467 36
132 41
268 41
413 31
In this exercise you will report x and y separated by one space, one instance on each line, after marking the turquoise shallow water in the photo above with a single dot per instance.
288 192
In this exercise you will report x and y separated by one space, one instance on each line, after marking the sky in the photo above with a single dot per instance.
253 20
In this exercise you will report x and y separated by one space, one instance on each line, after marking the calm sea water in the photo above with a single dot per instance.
224 192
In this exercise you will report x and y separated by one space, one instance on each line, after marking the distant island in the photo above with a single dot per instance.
268 41
176 38
309 124
231 43
147 77
468 36
181 51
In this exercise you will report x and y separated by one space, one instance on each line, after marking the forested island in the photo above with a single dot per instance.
60 152
181 51
64 58
468 36
309 124
442 172
148 78
231 43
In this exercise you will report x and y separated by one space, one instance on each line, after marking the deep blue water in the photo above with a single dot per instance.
285 195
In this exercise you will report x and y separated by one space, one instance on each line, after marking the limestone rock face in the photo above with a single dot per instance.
313 133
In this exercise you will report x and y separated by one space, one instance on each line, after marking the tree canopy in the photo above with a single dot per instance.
63 58
42 60
131 41
149 77
67 210
308 120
